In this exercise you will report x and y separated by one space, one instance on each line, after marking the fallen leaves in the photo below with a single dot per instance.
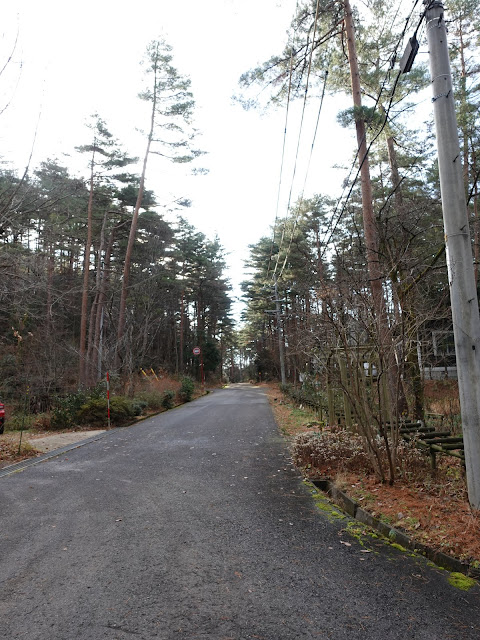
9 443
442 521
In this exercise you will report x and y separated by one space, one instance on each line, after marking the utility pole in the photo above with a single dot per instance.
463 293
281 351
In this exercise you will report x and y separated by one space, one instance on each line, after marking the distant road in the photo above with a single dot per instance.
195 525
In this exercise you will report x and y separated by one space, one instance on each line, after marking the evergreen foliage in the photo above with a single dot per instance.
187 389
68 246
168 399
94 412
367 345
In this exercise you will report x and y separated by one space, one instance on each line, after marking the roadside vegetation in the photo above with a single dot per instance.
101 276
432 505
362 313
87 410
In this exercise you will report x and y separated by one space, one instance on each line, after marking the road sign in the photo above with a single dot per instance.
196 351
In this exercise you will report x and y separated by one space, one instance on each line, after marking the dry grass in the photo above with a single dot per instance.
149 382
12 451
159 381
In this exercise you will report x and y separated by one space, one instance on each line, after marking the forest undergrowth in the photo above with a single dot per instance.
147 394
432 506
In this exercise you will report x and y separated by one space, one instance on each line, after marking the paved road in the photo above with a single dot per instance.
195 524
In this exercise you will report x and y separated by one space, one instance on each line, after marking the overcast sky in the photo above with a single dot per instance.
72 60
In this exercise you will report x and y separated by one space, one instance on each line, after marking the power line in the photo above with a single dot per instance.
386 116
299 132
352 186
306 174
284 145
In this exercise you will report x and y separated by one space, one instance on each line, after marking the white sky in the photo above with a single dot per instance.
77 59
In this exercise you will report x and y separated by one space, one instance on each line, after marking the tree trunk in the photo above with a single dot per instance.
102 296
131 237
86 274
91 360
50 270
182 331
371 234
369 226
401 404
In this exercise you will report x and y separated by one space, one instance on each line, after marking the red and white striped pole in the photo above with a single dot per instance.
108 399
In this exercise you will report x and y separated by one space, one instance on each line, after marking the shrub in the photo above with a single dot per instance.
187 389
286 388
167 401
42 421
138 406
152 399
19 421
66 410
331 452
305 395
94 412
411 463
61 418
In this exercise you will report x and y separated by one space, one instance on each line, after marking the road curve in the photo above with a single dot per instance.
194 524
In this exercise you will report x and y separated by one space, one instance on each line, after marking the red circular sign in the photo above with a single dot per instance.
196 351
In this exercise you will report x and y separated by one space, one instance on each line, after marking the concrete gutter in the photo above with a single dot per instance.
30 462
353 509
23 464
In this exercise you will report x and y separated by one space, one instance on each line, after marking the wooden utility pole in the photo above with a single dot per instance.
463 293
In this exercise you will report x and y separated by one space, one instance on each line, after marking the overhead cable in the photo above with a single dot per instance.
385 119
306 174
299 133
283 147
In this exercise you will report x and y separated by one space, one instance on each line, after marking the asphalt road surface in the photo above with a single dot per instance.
195 524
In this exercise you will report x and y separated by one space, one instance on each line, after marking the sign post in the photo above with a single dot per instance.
198 352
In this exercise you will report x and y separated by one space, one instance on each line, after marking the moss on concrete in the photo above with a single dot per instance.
460 581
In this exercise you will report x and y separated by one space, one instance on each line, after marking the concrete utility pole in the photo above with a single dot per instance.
463 293
280 335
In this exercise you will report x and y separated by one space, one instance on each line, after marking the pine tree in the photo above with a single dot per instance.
169 135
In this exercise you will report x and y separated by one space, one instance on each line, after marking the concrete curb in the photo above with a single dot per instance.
30 462
351 508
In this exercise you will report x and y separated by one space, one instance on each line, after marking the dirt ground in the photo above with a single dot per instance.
45 443
34 444
435 511
40 439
